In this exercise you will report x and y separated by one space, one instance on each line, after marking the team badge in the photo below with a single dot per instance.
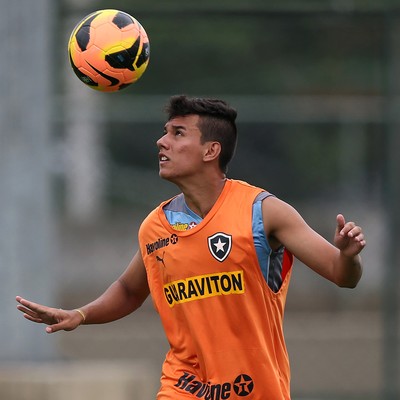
220 245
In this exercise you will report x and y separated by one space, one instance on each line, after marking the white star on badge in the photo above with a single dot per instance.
219 246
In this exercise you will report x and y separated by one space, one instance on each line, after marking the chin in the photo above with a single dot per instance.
164 175
168 177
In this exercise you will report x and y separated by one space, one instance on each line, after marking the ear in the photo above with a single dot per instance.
212 151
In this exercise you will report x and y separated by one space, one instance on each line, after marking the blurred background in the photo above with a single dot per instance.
316 85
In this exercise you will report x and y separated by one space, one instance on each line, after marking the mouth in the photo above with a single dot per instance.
162 158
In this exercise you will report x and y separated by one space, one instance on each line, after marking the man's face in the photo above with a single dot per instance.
180 149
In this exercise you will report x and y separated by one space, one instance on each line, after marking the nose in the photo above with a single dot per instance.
162 142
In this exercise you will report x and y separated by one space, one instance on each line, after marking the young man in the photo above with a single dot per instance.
217 261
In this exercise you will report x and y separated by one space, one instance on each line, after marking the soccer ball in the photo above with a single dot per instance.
109 50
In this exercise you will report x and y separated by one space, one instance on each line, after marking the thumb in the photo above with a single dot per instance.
340 221
66 324
54 328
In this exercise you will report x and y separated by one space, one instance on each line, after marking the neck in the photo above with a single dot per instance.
201 197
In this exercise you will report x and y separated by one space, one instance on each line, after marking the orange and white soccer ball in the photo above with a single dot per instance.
109 50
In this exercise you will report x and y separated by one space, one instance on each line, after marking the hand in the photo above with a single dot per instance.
349 238
56 318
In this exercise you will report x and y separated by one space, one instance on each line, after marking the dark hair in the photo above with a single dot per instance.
216 123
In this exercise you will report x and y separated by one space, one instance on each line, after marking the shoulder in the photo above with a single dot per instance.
242 186
148 220
278 211
280 217
153 215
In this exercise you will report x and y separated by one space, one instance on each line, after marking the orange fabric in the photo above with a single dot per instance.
222 321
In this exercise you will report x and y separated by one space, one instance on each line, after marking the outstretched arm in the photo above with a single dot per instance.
123 297
339 262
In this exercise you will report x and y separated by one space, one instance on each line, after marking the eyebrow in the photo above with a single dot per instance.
173 126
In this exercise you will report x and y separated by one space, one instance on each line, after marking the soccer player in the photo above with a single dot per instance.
217 261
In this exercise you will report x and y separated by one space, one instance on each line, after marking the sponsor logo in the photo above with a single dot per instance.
243 385
174 238
180 226
161 243
220 245
203 286
183 226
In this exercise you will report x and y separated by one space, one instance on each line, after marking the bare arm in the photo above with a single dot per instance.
122 297
340 263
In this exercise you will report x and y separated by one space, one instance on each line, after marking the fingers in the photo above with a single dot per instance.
351 230
33 319
357 236
29 305
26 308
37 313
30 315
